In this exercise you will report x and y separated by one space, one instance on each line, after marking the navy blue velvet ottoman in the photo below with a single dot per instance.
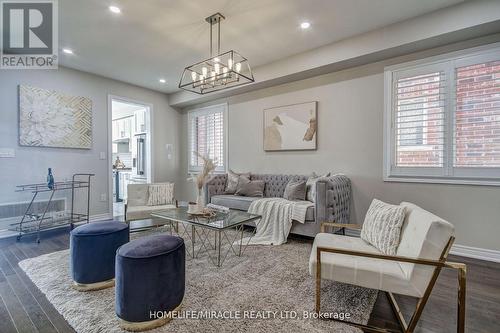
93 249
150 280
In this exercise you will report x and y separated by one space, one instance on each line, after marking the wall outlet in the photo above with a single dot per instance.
104 197
102 155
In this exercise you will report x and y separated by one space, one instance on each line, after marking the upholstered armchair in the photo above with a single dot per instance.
422 252
136 205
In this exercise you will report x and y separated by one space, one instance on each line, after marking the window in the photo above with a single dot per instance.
207 136
443 119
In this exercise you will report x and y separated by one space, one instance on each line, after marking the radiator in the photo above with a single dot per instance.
16 209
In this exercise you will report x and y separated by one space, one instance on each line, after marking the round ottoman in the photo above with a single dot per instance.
93 248
150 281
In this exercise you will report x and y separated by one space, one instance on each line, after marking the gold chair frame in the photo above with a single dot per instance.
438 265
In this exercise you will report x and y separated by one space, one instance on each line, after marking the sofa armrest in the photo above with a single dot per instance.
214 186
333 198
421 261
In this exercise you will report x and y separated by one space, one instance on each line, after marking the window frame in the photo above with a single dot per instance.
447 174
223 108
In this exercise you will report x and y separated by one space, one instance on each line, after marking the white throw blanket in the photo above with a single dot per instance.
277 215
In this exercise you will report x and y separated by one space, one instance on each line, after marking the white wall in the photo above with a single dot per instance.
350 139
31 163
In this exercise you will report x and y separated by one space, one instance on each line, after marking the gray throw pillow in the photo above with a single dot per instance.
233 179
295 190
253 188
311 185
382 226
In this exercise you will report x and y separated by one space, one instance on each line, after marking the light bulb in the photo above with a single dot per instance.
193 76
204 71
213 75
238 66
224 70
216 59
230 63
202 78
217 68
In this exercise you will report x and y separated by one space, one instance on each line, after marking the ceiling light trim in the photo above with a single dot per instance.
305 25
115 9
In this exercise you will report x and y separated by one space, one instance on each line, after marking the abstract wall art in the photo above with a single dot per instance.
49 118
291 127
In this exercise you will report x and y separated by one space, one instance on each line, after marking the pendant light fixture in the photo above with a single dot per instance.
220 71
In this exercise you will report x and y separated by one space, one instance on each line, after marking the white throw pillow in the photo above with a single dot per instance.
382 226
160 194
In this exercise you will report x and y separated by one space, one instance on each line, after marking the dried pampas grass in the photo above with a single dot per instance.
208 167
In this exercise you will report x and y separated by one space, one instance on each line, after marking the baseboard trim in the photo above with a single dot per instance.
475 252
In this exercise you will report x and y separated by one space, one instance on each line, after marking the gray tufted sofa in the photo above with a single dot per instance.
331 203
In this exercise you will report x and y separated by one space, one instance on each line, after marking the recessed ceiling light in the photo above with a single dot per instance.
162 80
305 25
115 9
68 51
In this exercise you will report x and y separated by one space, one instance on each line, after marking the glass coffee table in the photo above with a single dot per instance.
199 230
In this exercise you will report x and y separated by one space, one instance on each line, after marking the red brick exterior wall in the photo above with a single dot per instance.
477 120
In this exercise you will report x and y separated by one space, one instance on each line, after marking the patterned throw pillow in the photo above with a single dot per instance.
160 194
382 226
295 190
311 185
233 179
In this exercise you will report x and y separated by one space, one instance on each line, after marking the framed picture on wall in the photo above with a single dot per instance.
49 118
291 127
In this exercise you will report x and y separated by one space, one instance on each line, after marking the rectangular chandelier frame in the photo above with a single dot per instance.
233 70
223 71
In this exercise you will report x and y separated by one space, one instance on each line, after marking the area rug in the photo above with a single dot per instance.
268 289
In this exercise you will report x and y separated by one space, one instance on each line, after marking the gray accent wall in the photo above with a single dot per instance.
31 163
350 141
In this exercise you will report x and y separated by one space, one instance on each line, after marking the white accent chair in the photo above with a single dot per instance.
425 242
136 207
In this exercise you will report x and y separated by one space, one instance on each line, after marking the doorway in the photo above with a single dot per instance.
130 149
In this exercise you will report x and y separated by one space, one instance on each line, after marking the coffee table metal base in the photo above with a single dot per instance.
201 241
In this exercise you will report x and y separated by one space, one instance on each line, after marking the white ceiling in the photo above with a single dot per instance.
154 39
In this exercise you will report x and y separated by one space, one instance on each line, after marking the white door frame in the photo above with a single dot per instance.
149 137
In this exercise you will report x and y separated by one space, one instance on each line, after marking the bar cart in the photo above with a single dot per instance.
32 222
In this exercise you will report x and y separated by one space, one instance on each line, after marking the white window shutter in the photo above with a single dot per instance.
476 141
419 107
207 128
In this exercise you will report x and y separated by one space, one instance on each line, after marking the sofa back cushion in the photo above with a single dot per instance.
275 184
423 235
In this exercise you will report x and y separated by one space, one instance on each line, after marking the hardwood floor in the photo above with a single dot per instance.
23 308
